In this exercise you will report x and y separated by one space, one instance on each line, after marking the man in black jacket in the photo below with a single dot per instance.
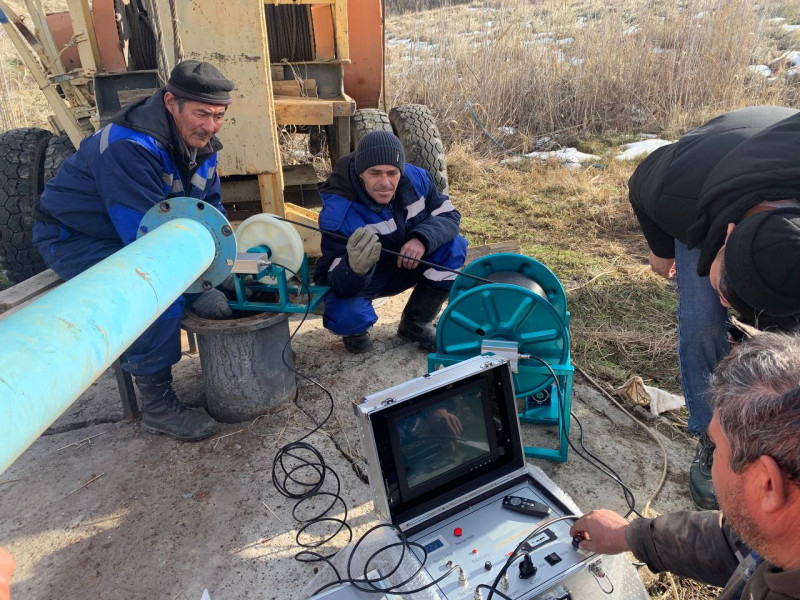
755 394
720 212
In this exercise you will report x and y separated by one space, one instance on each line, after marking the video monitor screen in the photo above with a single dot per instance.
443 438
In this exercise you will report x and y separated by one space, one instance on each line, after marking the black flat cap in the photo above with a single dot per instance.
201 82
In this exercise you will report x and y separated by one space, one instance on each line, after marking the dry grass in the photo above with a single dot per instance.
578 68
579 224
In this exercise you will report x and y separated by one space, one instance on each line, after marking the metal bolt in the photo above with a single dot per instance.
229 262
164 206
143 229
226 230
504 581
207 285
201 206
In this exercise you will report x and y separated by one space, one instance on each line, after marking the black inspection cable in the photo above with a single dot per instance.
630 499
517 553
311 488
392 252
318 467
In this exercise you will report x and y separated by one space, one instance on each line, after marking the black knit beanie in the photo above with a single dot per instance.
379 148
201 82
762 261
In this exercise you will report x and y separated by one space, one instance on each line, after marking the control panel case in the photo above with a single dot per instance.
443 453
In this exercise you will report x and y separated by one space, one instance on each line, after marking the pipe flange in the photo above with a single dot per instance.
216 224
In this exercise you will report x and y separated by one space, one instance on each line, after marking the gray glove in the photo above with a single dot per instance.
229 284
363 250
212 304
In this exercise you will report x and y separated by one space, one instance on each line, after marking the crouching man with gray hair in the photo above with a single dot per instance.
755 396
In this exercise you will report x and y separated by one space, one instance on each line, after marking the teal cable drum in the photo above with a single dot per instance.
526 266
506 312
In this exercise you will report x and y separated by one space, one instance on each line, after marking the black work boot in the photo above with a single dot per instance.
358 343
701 489
162 412
416 324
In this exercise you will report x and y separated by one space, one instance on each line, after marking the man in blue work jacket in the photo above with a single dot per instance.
162 147
373 200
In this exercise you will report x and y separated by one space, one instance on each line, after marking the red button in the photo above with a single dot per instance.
457 532
474 550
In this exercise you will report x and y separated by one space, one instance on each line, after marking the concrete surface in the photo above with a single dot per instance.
164 519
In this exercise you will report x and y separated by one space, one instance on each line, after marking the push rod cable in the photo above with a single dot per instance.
387 251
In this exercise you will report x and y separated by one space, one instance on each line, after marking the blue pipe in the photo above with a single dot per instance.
54 348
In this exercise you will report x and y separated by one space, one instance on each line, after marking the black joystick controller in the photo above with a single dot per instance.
526 568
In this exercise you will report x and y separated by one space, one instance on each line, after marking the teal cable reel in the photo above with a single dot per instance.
523 317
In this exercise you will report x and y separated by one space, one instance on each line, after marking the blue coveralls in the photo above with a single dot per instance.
417 210
94 204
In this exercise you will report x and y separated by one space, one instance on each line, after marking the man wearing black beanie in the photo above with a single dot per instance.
159 148
377 201
719 209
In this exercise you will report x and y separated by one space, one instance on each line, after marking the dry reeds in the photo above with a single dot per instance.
572 68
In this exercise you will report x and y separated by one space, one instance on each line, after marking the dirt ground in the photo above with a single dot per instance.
98 508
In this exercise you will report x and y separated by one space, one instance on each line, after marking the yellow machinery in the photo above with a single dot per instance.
312 65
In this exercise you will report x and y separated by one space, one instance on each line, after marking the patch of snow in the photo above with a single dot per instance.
777 19
631 30
581 21
760 70
544 34
790 27
569 157
565 41
792 73
643 148
791 56
646 136
410 44
702 14
506 130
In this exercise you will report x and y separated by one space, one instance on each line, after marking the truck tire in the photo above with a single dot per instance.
21 181
59 149
422 143
365 120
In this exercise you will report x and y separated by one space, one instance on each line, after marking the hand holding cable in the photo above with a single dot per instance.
412 249
363 250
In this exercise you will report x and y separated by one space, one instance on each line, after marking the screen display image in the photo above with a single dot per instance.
444 436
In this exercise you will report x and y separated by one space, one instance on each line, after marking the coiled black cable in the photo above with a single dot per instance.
299 471
286 476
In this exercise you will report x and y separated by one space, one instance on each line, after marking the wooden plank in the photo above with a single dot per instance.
343 108
299 175
311 239
303 111
295 87
270 187
28 289
341 30
232 35
474 252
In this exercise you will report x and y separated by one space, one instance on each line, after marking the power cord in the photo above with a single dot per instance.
288 466
596 462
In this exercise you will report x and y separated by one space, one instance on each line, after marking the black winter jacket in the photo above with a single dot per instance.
713 175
